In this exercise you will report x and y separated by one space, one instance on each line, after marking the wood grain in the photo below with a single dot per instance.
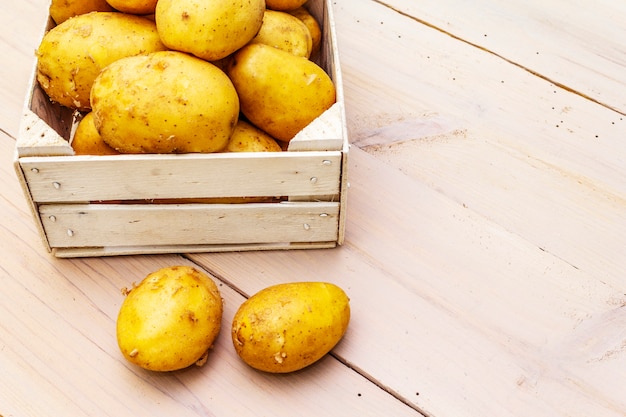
483 252
575 46
431 291
59 354
494 140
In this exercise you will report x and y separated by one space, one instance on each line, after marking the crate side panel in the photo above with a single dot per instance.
325 133
57 117
329 131
31 204
79 178
92 225
37 138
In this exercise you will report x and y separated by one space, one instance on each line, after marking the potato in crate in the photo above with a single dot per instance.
283 189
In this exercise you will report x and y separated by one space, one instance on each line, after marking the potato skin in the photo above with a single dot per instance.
141 7
210 30
170 320
249 138
287 327
284 31
61 10
312 25
279 93
87 140
284 4
164 102
72 54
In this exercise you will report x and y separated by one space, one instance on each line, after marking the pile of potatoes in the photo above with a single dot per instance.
179 76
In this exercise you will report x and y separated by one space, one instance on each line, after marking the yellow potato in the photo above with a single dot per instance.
170 320
164 102
287 327
61 10
312 24
73 53
249 138
134 6
279 93
210 30
284 4
87 140
284 31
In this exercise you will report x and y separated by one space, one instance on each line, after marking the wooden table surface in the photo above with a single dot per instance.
485 237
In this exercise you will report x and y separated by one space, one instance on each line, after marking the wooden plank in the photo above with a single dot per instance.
87 251
60 356
326 133
442 86
22 27
582 222
111 225
492 136
131 177
36 138
579 46
453 312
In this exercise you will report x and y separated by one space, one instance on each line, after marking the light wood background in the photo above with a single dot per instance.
485 239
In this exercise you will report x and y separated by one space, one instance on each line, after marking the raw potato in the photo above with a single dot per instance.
210 30
72 54
134 6
279 93
312 24
284 4
249 138
287 327
61 10
170 320
164 102
87 140
284 31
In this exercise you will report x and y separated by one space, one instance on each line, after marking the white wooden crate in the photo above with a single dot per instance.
134 204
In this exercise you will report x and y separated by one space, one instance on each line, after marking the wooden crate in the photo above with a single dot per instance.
139 204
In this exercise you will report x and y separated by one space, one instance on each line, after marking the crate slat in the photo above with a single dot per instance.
160 249
131 177
85 225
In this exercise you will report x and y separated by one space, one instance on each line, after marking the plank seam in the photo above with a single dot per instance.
482 48
341 360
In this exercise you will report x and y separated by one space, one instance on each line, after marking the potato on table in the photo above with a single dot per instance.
287 327
170 320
